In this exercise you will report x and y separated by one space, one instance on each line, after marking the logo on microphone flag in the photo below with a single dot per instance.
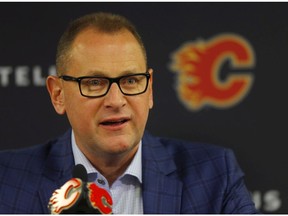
100 198
66 196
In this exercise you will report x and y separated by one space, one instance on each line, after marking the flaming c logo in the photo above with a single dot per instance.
198 68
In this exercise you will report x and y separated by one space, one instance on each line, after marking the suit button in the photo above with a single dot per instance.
101 181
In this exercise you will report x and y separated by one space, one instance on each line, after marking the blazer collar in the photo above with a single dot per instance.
162 189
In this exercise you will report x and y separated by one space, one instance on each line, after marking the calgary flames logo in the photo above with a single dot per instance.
100 199
198 66
66 196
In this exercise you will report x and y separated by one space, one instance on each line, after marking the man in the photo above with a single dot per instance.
104 87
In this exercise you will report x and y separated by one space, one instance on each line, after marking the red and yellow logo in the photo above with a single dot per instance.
198 66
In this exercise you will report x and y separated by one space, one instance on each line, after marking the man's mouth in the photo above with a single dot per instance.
116 122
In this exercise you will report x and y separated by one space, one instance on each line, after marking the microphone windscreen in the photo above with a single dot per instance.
80 172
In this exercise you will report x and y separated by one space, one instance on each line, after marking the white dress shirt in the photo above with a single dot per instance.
126 191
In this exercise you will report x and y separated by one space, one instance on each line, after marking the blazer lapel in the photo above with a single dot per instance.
162 190
58 168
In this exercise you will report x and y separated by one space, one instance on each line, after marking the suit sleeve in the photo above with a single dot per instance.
237 199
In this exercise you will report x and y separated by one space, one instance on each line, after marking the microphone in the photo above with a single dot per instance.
78 196
80 172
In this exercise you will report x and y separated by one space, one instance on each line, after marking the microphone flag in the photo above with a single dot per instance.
77 196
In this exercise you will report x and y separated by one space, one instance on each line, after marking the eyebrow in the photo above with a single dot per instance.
105 74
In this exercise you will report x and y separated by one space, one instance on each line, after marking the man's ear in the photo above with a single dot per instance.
54 87
151 88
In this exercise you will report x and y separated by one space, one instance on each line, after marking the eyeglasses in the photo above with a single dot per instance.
94 86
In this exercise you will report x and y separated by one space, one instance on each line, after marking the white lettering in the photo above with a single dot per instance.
268 201
25 76
38 80
257 199
272 200
52 70
21 76
4 75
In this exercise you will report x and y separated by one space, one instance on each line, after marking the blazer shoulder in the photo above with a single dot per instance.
189 156
199 150
30 158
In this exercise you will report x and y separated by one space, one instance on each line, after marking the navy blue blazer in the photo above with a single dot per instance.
178 177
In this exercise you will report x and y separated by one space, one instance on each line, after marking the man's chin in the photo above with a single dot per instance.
120 148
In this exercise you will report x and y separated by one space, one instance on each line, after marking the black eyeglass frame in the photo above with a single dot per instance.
111 81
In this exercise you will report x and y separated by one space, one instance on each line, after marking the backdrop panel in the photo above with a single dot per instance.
220 77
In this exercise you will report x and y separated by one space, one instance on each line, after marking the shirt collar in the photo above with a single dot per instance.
134 169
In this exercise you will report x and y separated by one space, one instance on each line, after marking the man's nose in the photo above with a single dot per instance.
114 97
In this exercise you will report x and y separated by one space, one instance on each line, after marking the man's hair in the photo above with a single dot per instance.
103 22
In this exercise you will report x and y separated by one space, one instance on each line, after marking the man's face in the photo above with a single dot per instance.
112 124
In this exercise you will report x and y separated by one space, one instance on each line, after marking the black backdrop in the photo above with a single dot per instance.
254 127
